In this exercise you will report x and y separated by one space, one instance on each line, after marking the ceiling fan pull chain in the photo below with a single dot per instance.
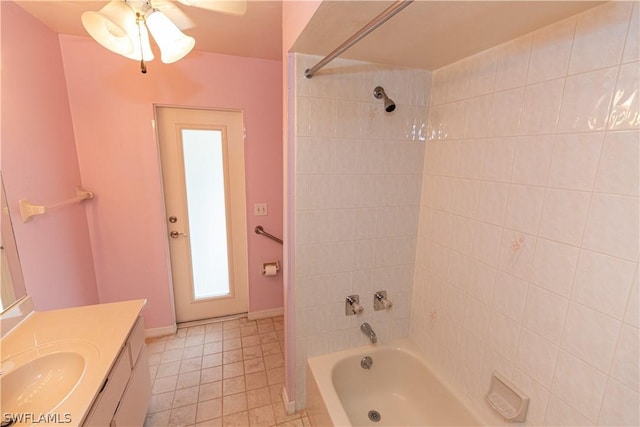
143 66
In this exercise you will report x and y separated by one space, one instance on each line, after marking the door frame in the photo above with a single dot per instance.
239 202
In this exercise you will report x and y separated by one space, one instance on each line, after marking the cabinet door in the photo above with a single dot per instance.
107 401
135 401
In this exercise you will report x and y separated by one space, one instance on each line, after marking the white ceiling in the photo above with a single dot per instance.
445 31
256 34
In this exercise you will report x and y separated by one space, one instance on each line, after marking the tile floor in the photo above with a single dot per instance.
225 373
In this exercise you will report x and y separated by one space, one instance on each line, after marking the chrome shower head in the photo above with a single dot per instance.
389 105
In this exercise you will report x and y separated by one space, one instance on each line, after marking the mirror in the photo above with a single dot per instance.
12 287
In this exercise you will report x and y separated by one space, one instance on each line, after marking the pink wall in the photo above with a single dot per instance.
39 163
112 109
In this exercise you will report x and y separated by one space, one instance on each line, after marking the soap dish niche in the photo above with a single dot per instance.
506 399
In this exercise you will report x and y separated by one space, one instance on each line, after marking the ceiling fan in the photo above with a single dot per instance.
123 26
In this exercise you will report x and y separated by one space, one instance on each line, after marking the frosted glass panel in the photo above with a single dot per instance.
204 175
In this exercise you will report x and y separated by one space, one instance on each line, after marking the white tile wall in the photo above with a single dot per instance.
528 235
358 187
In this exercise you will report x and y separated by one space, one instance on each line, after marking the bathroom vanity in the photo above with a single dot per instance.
80 366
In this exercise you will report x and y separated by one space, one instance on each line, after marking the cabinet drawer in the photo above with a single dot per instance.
107 401
136 341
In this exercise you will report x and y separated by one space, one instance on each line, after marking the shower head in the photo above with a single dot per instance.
389 105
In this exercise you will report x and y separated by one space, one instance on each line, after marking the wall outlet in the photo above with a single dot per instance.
260 209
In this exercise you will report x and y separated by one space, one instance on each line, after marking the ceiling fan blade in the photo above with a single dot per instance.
174 13
231 7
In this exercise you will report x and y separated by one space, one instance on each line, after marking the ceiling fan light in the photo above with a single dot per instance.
108 26
141 46
173 43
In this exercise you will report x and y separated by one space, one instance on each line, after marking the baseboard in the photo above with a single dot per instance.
289 406
160 332
253 315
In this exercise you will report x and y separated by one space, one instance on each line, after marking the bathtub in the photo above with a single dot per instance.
399 387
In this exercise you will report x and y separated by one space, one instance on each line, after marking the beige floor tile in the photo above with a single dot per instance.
233 385
266 327
188 379
251 352
210 391
231 334
153 371
231 324
171 355
193 351
216 422
275 376
194 340
296 422
274 361
190 365
213 337
268 337
232 356
183 416
258 397
155 358
181 333
246 330
271 348
211 374
213 327
234 403
196 330
281 414
254 365
209 410
161 402
175 343
212 347
186 396
211 360
276 392
262 416
157 419
241 419
232 370
251 340
168 369
306 422
264 321
161 385
256 380
232 344
156 347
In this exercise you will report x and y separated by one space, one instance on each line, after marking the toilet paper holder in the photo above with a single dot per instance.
268 266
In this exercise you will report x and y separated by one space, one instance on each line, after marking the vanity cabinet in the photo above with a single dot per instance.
125 395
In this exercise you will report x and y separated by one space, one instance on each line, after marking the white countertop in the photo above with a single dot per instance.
97 331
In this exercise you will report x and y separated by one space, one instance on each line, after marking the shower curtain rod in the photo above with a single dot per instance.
363 32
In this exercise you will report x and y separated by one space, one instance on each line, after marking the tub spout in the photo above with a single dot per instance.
368 331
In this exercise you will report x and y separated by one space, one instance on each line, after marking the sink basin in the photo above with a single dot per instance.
41 384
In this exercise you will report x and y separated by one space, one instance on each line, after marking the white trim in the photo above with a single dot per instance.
161 332
289 406
253 315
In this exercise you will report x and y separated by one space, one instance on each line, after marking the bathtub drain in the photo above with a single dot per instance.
374 416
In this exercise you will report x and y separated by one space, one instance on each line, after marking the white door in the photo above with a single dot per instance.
202 158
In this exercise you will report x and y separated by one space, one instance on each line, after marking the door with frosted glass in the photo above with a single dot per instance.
202 158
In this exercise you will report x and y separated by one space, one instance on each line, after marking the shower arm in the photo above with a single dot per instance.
387 14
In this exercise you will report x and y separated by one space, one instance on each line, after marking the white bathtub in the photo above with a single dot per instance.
399 386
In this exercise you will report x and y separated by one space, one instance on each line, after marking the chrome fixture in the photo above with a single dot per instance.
260 230
389 105
352 305
383 17
366 362
380 301
368 331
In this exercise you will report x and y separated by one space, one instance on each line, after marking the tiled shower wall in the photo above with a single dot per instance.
527 255
358 181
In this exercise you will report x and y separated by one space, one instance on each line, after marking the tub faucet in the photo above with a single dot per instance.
368 331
